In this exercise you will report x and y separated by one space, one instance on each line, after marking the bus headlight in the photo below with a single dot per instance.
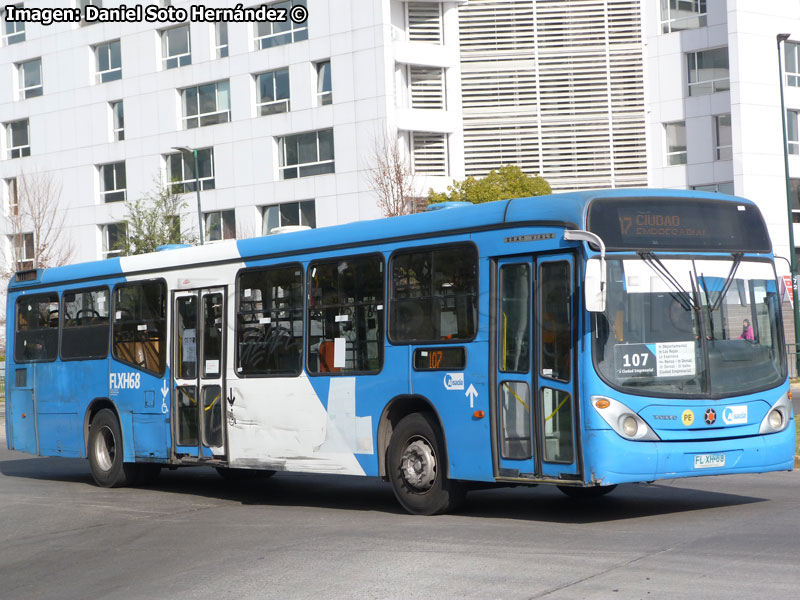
777 418
623 420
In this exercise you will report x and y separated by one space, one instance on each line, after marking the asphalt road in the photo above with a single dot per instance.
196 536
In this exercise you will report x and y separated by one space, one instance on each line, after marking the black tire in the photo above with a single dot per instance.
416 466
235 474
105 452
586 493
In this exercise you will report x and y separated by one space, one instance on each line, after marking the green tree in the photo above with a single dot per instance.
507 182
154 220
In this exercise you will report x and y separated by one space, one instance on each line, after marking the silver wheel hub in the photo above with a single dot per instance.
105 448
418 465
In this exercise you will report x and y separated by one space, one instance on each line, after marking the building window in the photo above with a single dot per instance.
424 22
82 4
180 170
791 52
176 47
272 92
18 138
117 121
792 132
429 153
114 235
207 104
221 37
288 214
726 187
427 87
708 71
112 181
324 89
676 142
269 34
109 61
13 31
30 78
678 15
795 199
24 250
306 154
220 225
12 197
723 139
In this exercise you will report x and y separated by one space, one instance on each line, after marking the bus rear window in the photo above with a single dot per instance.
85 328
36 337
140 324
434 295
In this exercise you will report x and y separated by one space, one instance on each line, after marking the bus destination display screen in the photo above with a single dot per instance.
678 224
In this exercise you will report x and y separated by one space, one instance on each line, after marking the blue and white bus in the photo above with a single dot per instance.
582 340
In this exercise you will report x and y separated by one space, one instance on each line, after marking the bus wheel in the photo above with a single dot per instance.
416 468
105 452
586 493
234 474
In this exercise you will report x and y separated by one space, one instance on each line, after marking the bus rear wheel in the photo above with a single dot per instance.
586 493
105 452
417 470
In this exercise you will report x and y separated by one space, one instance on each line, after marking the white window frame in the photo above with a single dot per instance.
722 151
718 84
108 252
112 73
21 246
199 117
283 154
670 23
279 212
105 193
324 96
224 219
674 157
117 125
13 31
185 185
18 151
221 48
791 63
716 187
173 61
296 32
417 165
34 90
12 196
272 107
792 137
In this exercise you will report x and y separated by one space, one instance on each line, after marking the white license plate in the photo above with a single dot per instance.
709 461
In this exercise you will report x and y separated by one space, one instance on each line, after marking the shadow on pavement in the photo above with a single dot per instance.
341 492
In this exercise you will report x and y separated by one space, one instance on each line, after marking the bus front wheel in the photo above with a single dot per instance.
105 452
417 469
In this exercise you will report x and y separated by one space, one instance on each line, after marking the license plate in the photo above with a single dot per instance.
709 461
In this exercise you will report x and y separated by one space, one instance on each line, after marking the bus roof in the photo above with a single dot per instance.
564 209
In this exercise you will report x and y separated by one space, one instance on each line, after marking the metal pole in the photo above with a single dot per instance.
200 212
782 37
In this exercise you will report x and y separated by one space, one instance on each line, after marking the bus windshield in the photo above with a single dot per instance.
690 328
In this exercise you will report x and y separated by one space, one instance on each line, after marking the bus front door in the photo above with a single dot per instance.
534 408
198 413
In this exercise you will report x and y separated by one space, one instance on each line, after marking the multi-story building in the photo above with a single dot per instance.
714 107
284 117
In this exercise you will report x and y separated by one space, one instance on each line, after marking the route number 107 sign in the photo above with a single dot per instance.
669 359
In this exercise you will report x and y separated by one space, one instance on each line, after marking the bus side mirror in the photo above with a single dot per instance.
594 288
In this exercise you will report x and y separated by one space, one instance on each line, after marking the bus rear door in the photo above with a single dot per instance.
198 415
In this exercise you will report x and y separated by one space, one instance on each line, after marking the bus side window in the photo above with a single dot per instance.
85 329
36 333
434 295
140 323
269 323
345 315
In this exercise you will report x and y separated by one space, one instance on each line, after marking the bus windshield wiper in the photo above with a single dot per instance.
680 295
737 260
